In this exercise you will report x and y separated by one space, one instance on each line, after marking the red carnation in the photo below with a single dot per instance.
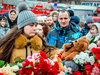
88 67
77 73
96 64
36 71
56 65
87 63
1 74
26 62
96 51
43 55
20 71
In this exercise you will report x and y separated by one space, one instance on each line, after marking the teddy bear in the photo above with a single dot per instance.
57 58
70 50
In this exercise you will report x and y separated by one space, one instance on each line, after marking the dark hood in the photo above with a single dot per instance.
75 19
86 26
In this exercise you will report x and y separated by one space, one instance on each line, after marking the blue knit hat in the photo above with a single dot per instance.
89 19
6 14
25 15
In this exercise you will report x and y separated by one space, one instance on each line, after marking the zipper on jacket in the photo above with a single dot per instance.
31 50
26 50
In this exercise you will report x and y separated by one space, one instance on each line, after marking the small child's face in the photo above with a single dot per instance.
89 24
3 22
93 30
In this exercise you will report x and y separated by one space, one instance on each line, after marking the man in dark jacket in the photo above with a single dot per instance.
87 25
64 31
12 19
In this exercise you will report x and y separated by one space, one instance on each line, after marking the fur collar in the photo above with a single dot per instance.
34 42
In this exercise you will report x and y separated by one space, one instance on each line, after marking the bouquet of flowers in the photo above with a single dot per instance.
82 58
7 70
39 64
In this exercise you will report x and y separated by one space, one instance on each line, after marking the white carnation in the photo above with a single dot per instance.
91 60
91 46
15 68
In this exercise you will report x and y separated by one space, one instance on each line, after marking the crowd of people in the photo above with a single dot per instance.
18 31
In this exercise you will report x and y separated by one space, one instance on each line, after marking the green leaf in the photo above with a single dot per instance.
82 67
23 60
18 59
2 63
12 64
29 66
92 40
94 56
90 54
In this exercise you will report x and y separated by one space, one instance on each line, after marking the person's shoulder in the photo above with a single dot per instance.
52 31
83 28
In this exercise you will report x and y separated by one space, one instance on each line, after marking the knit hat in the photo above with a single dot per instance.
71 12
6 14
89 19
25 15
40 18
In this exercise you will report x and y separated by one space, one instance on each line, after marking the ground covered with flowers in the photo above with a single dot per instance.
40 64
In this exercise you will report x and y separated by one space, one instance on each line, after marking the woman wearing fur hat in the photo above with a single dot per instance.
22 41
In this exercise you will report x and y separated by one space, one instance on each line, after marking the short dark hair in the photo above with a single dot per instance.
63 11
2 17
93 26
12 10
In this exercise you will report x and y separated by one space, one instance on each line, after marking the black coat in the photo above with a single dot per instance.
12 24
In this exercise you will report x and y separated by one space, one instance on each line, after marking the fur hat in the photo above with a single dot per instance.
25 15
54 12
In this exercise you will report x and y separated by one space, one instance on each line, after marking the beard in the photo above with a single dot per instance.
50 24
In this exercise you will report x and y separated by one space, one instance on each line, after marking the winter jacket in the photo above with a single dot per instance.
59 36
85 30
25 47
12 24
4 30
76 20
97 36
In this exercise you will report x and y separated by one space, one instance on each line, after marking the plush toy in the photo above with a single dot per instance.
58 59
70 67
70 50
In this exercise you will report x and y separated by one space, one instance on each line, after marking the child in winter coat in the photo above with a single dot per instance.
87 25
94 32
4 29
